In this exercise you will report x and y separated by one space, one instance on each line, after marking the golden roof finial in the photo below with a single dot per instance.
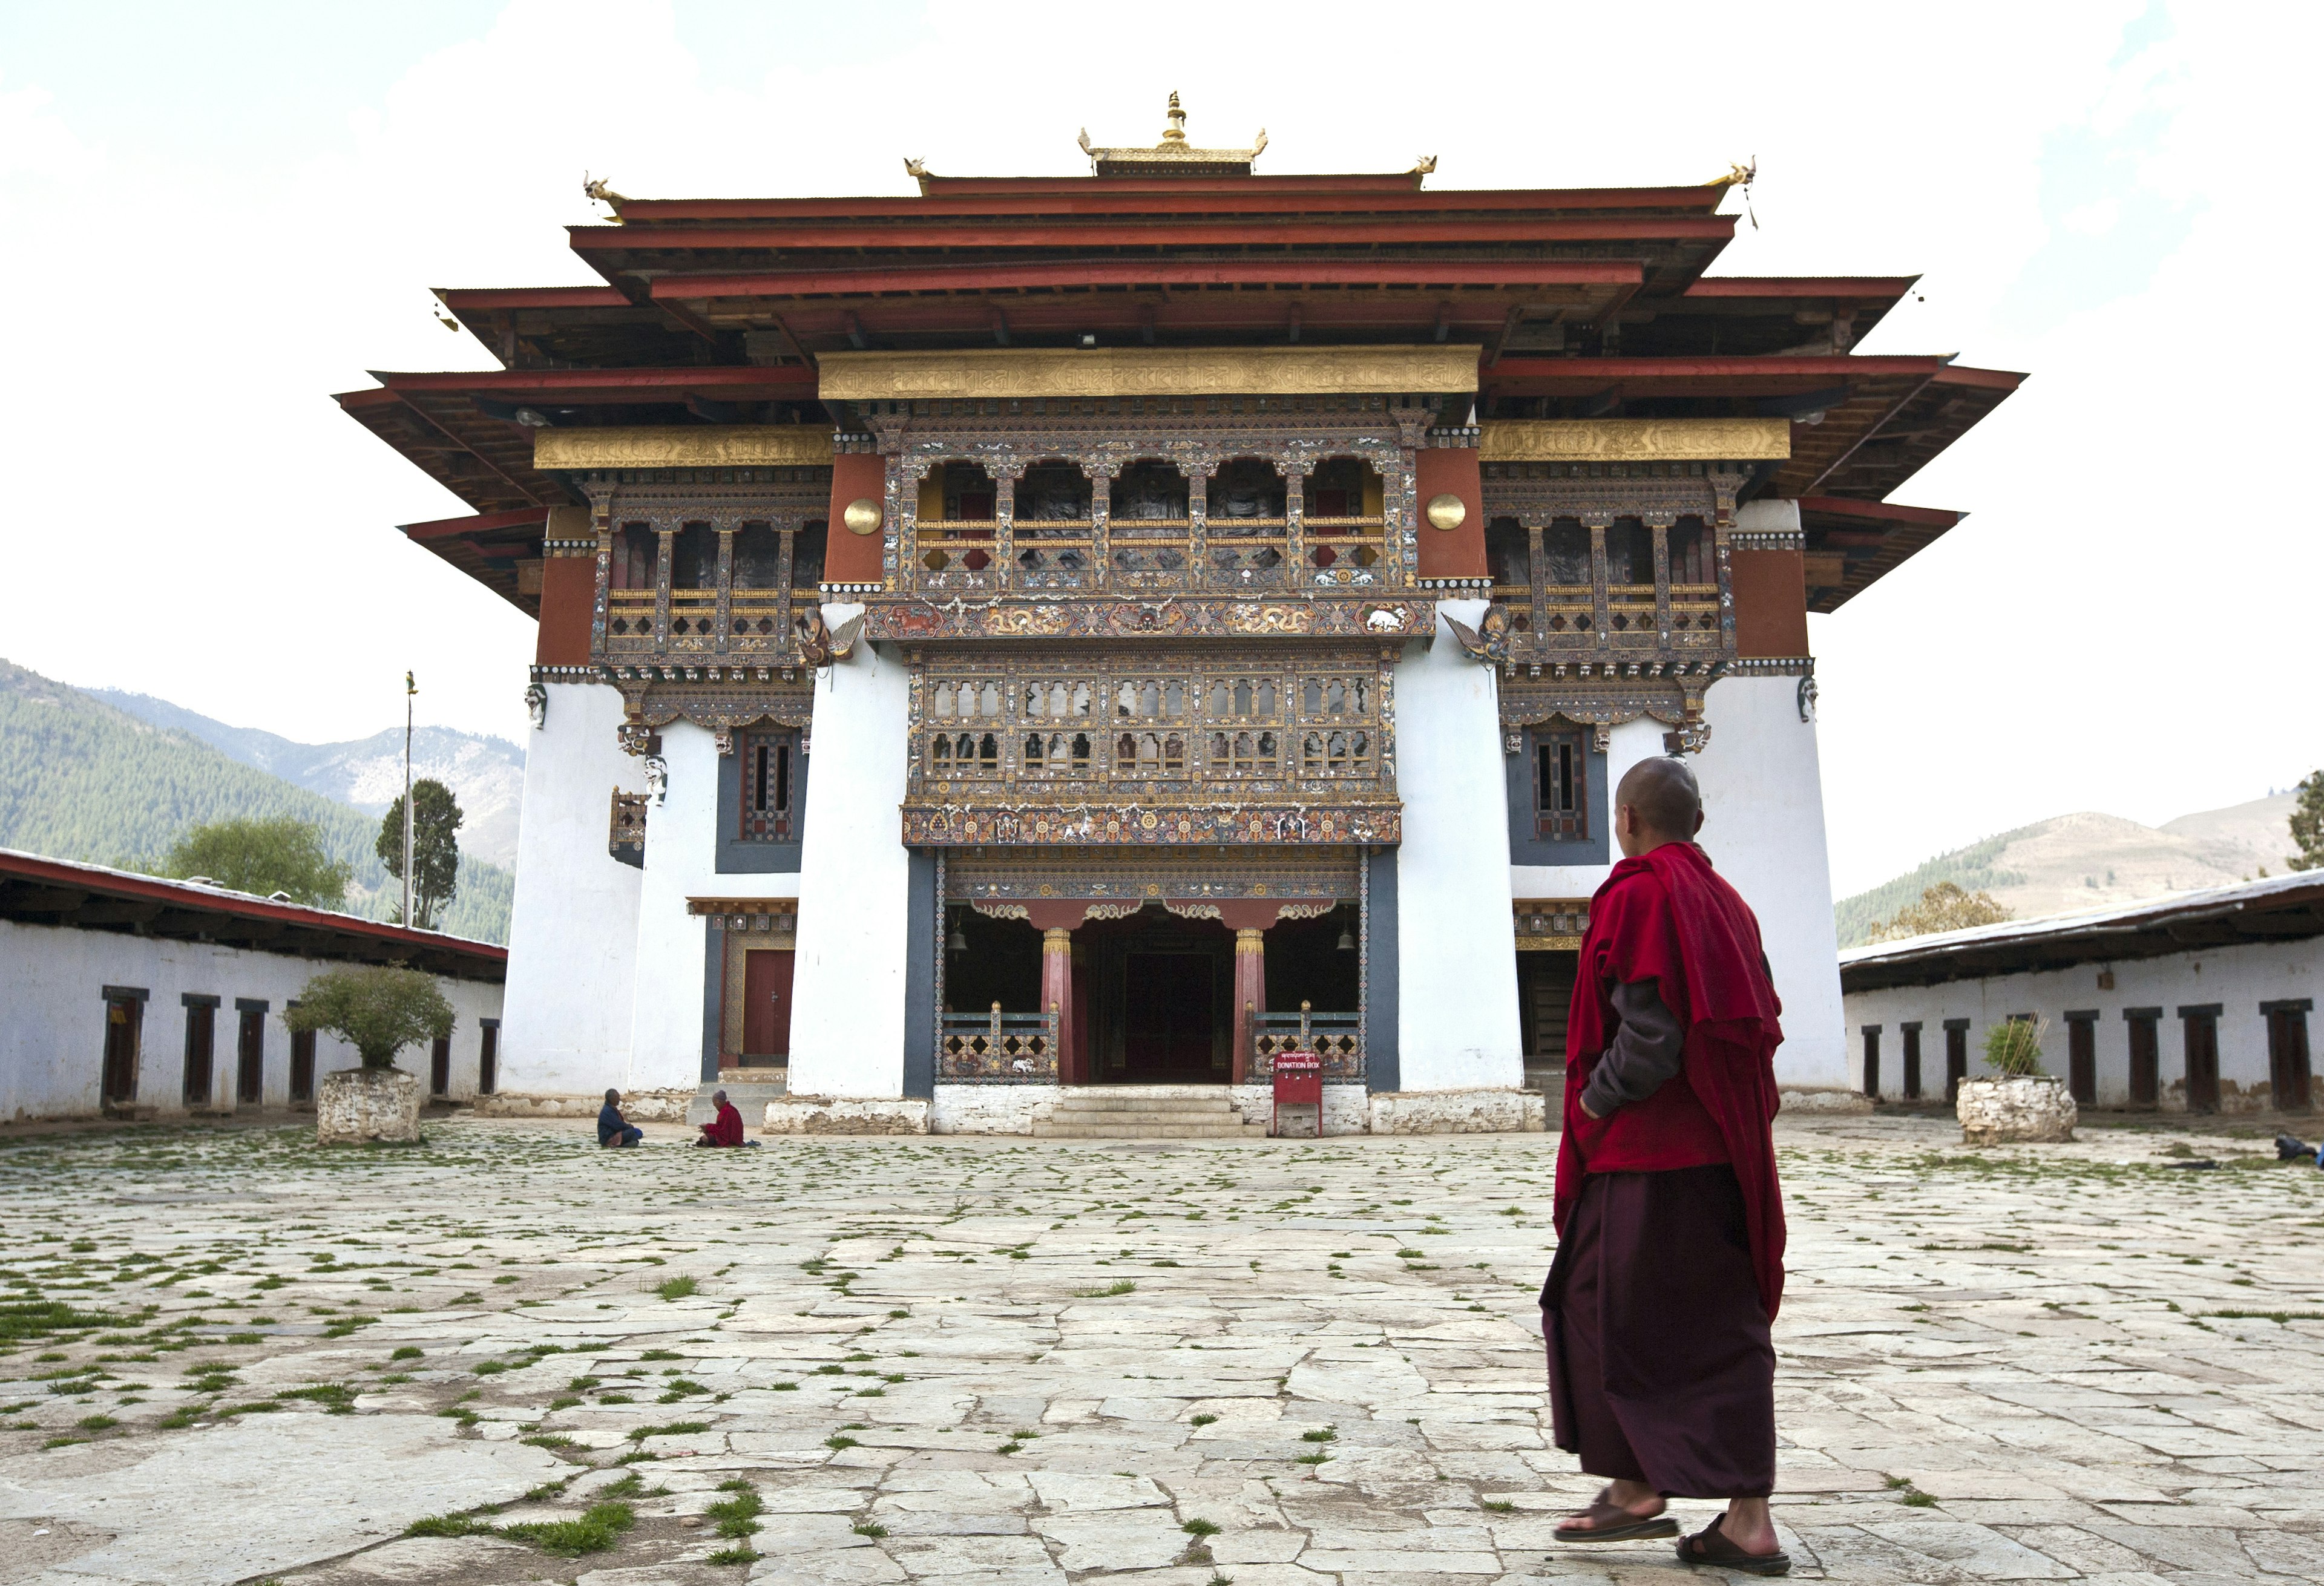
1175 133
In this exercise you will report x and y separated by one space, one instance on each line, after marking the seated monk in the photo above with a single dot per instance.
612 1128
726 1128
1670 1255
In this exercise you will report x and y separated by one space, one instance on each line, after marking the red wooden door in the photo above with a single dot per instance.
2287 1059
201 1035
1167 1016
2202 1062
767 1002
439 1067
2082 1060
302 1066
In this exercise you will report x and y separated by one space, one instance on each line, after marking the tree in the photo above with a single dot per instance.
1942 908
377 1009
2308 822
435 847
278 854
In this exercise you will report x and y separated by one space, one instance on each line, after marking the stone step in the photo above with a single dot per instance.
1076 1100
1139 1130
749 1096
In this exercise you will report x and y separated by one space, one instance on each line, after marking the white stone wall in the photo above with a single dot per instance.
1456 942
52 1038
573 934
1763 827
990 1108
847 994
672 945
2239 979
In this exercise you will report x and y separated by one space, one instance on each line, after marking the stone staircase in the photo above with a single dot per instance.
1144 1112
749 1096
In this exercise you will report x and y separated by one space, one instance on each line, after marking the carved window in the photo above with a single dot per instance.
1246 490
1056 754
1690 553
1335 697
964 754
757 558
1565 548
1250 753
1149 754
1150 697
1341 488
1510 554
1630 552
807 554
1336 754
637 549
1147 492
1561 786
1058 700
968 699
694 557
1053 492
770 787
1242 697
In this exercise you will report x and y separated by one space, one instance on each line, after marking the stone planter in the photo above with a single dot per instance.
354 1106
1994 1112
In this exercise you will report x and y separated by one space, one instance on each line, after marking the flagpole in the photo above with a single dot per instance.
410 689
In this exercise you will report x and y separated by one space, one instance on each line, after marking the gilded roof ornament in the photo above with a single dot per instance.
1174 155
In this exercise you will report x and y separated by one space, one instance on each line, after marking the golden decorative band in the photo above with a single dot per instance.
1636 440
1108 372
684 445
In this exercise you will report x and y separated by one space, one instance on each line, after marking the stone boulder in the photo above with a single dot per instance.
354 1106
1995 1112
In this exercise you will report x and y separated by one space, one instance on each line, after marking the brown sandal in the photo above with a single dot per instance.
1611 1522
1711 1546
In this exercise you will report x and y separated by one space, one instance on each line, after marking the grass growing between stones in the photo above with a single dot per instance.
598 1530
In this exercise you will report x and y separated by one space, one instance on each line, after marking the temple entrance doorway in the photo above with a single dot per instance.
1165 989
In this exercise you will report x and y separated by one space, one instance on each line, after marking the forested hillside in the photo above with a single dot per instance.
81 779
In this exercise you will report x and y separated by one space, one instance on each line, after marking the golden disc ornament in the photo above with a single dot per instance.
862 516
1444 511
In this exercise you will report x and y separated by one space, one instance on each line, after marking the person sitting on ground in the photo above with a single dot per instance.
612 1128
726 1128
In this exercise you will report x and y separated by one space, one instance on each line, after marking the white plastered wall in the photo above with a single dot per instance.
52 1041
1763 827
1456 941
681 857
855 883
2238 979
574 928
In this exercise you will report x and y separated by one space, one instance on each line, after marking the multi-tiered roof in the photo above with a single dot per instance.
1587 302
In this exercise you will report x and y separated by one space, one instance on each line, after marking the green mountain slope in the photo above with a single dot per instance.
1973 869
81 779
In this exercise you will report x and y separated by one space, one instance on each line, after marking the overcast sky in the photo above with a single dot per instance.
220 214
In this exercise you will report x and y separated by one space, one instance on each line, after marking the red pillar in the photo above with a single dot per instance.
1249 996
1077 1043
1057 987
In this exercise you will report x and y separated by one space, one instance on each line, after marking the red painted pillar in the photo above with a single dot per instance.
1057 987
1078 1044
1249 996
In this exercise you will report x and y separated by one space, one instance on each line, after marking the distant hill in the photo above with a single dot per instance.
82 779
485 774
2087 860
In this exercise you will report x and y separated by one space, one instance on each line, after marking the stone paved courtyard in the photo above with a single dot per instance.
505 1356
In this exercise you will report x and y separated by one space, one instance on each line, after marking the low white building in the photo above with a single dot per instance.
2197 1002
130 996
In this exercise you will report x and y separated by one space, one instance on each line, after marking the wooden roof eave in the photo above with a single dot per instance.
1933 416
1895 532
631 242
472 544
1077 196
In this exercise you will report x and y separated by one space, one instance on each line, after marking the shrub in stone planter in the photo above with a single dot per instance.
378 1011
2020 1103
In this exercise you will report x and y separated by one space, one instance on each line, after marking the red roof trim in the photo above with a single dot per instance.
485 300
1801 286
1881 511
96 878
481 523
1158 233
1982 379
1083 195
1066 275
613 383
1838 365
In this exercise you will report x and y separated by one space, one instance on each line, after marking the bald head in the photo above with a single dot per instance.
1657 802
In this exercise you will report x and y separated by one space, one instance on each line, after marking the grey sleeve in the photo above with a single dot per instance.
1649 1046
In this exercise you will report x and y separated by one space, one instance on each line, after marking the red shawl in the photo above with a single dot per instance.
1668 915
726 1128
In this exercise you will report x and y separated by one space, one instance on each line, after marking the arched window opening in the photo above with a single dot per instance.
807 547
1147 494
636 548
758 556
1053 492
1629 553
1247 494
1690 554
694 557
1565 548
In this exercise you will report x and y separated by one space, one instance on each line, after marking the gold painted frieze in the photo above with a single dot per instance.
1000 372
1389 620
684 446
1636 440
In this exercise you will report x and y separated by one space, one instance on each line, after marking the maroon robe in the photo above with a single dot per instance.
1669 1264
725 1130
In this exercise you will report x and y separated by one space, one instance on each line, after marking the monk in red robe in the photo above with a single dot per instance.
1670 1256
726 1128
